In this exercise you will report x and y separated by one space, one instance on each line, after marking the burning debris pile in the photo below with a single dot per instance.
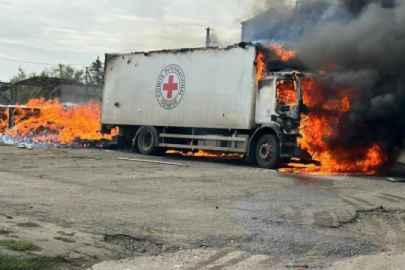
49 123
356 101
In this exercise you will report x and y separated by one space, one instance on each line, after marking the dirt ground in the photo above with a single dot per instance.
94 211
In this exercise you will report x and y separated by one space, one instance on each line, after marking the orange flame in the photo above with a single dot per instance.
279 50
260 65
286 93
320 126
49 121
202 153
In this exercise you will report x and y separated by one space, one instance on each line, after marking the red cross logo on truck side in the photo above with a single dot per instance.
170 87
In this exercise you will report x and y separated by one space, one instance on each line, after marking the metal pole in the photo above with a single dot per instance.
15 96
87 81
208 38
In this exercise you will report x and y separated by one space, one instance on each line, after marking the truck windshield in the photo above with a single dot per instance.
286 92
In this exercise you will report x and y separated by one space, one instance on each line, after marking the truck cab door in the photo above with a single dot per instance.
265 101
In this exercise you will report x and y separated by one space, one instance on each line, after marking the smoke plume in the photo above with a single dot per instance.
361 46
367 53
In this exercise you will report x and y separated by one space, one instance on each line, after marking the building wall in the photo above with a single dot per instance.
79 94
261 26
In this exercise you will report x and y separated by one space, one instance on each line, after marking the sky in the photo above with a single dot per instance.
78 31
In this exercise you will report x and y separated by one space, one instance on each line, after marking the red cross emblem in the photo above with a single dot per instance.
170 87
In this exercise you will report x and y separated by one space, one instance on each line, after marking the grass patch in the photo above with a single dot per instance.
151 230
64 239
8 262
28 225
64 225
4 232
65 233
18 245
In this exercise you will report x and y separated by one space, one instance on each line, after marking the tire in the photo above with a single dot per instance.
146 141
268 152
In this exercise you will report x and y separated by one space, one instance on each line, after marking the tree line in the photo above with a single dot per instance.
92 75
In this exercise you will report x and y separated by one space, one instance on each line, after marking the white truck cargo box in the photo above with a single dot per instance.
205 87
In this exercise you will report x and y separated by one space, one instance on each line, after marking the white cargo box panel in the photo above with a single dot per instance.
207 88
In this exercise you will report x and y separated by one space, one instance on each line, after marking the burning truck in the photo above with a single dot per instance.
214 99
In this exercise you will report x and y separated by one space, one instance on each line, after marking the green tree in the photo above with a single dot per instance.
66 72
96 72
25 93
21 75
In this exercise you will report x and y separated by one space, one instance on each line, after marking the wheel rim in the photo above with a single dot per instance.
147 140
266 151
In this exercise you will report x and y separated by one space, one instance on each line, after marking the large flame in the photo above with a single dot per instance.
285 55
286 93
50 122
277 49
322 126
260 65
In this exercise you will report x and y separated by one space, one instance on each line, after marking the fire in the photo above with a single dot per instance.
286 93
50 122
202 153
321 127
279 50
260 65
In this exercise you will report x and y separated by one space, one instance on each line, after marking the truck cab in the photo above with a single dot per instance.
278 114
279 101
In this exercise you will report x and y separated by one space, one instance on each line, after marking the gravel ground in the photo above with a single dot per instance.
97 212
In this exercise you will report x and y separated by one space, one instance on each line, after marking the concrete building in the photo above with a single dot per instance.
262 26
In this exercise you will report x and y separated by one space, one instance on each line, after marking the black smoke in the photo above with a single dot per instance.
276 22
358 6
367 53
361 45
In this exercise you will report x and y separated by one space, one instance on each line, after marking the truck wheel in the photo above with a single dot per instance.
146 141
267 152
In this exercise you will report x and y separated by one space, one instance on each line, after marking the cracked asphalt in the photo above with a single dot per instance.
98 212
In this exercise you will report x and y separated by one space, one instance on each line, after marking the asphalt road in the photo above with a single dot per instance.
206 214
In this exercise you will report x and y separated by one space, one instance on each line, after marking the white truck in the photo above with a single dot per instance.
202 99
